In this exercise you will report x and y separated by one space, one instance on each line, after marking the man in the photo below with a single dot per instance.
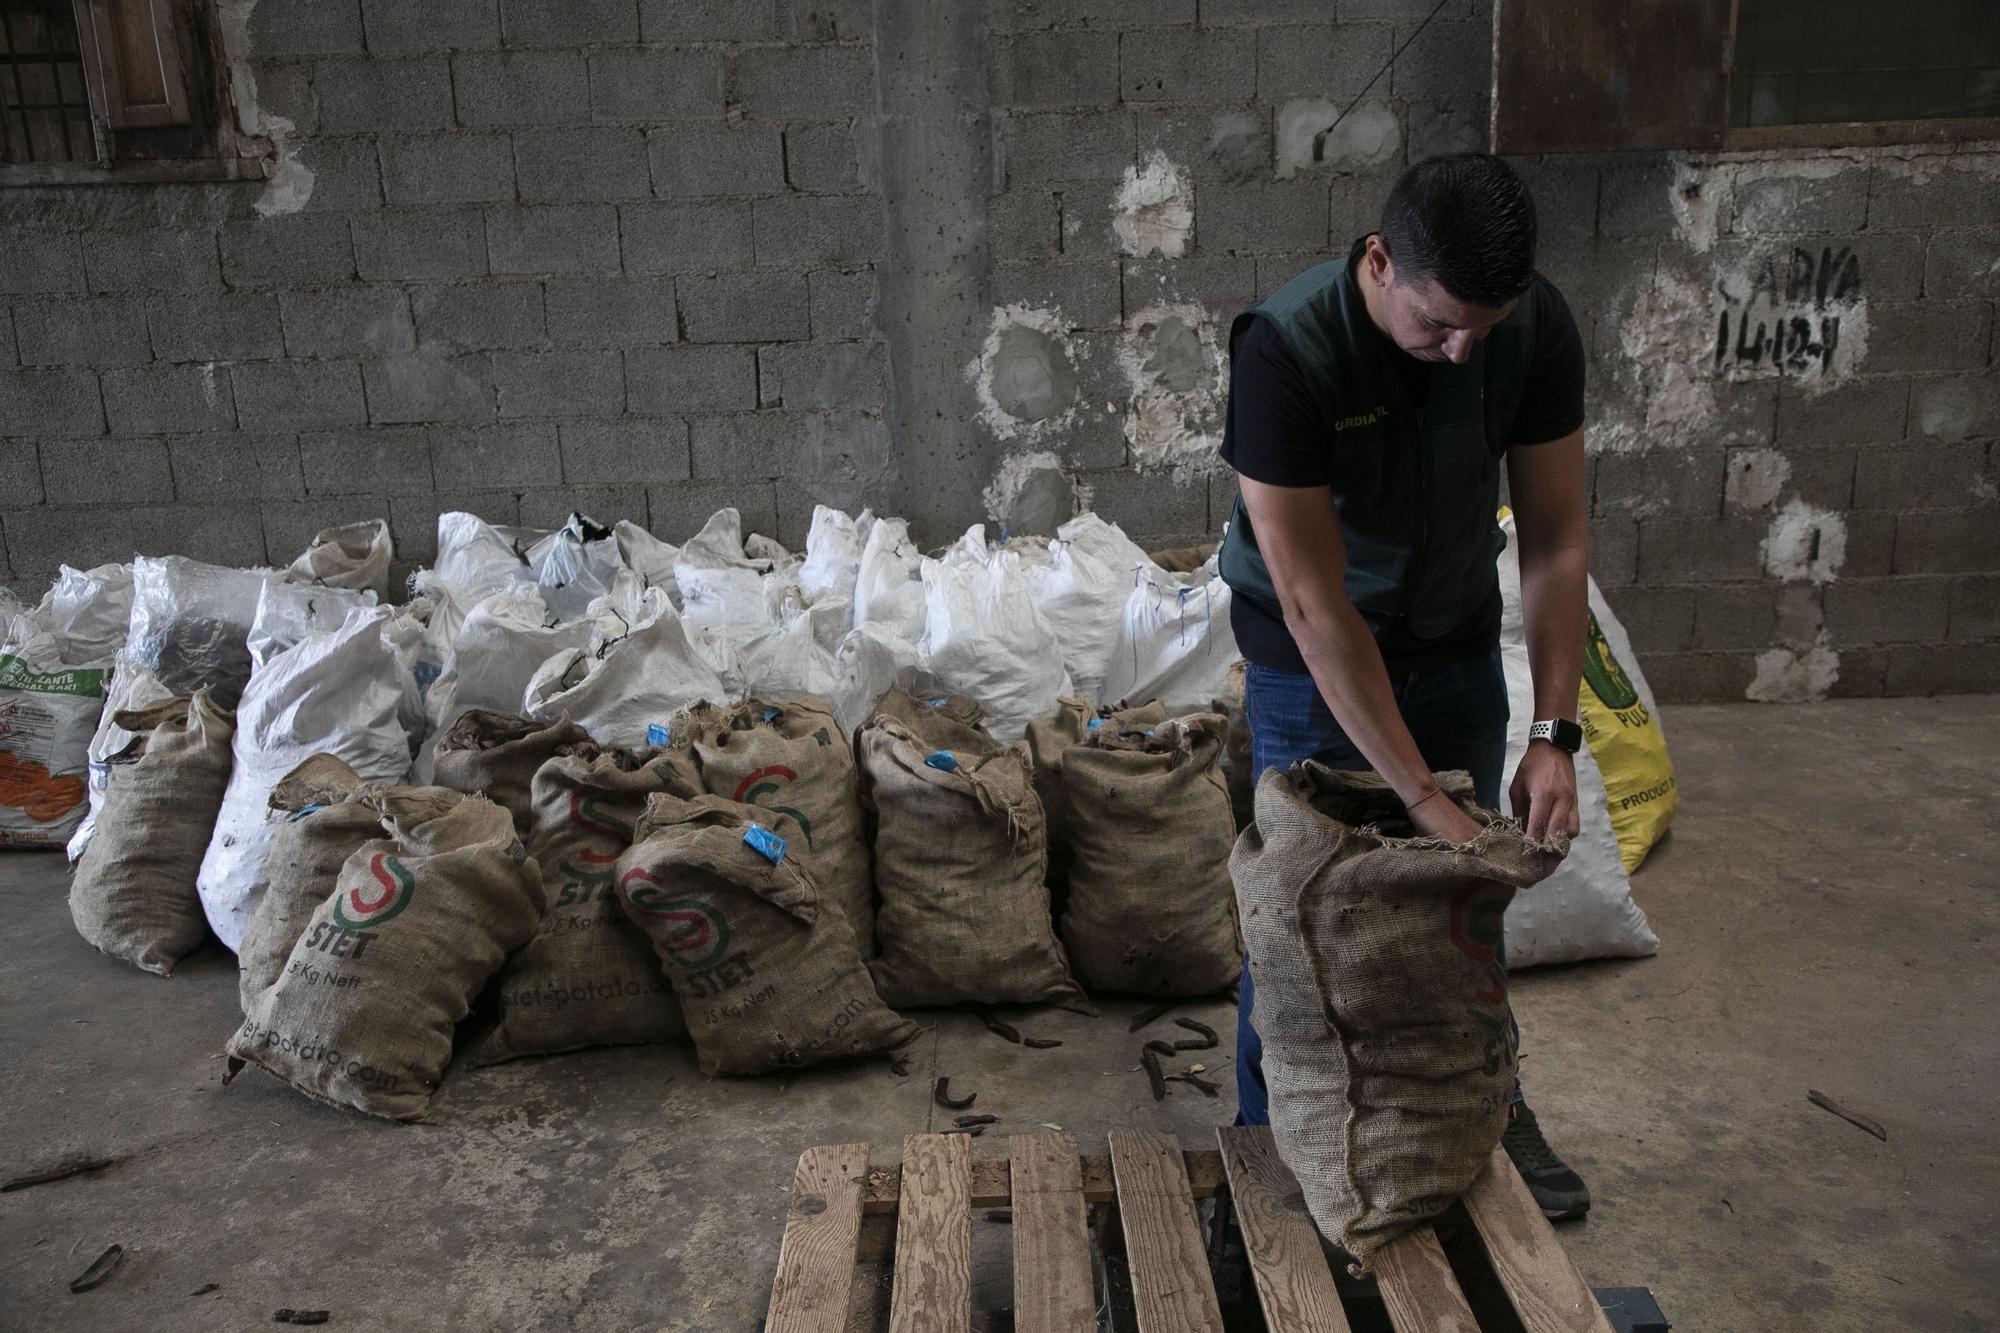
1371 403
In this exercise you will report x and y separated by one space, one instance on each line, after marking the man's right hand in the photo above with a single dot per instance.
1439 817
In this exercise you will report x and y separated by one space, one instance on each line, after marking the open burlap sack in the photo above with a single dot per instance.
948 721
497 755
589 977
1388 1045
792 758
1046 739
418 922
1150 908
960 852
325 821
767 976
134 894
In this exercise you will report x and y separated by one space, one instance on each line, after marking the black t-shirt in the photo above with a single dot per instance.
1275 433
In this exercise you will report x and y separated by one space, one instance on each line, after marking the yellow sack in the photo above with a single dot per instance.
1622 725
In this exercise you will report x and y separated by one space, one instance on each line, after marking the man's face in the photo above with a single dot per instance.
1423 318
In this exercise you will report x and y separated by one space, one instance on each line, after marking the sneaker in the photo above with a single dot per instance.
1559 1191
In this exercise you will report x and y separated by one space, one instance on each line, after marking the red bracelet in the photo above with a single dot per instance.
1411 807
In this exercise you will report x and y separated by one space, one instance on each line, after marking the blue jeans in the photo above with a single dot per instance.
1456 713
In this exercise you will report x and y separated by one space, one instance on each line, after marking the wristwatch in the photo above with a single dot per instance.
1560 732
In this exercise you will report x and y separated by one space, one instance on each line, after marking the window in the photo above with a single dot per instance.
114 90
1583 76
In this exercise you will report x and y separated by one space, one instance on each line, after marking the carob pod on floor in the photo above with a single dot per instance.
497 755
768 978
590 976
134 894
793 758
959 857
1388 1046
419 921
1151 910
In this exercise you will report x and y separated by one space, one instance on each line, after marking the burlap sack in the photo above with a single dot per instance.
767 977
792 758
960 852
1150 908
134 893
324 822
497 756
589 977
1237 760
1383 1009
948 721
420 920
1047 738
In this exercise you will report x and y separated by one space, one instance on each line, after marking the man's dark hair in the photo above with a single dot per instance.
1465 220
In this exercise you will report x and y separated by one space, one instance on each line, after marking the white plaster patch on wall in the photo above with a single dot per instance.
1756 478
1790 675
1153 213
1805 543
290 183
1025 376
1171 354
1032 488
1312 133
1667 402
1699 198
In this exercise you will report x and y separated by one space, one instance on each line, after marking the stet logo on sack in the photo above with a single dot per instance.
697 941
767 781
594 876
359 909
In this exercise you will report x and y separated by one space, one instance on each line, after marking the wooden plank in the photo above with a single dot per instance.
1052 1286
991 1188
816 1257
1416 1284
1172 1290
1548 1293
933 1282
1294 1284
1572 76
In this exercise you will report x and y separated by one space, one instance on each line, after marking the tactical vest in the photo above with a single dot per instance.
1416 487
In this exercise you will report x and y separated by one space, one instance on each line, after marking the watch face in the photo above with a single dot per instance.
1568 735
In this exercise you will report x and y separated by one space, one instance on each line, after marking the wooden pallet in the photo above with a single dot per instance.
846 1216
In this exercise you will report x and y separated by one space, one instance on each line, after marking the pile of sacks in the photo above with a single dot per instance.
759 882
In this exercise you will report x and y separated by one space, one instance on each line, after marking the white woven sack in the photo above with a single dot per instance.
1174 641
349 692
888 583
984 637
623 685
1082 590
504 639
1585 909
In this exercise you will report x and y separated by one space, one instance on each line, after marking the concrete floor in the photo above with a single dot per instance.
1828 908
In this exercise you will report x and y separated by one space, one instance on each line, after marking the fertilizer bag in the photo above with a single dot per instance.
497 755
589 977
1388 1045
48 710
767 976
362 1015
793 759
134 894
1150 910
960 852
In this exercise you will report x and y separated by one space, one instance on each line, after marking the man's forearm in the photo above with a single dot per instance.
1555 601
1347 666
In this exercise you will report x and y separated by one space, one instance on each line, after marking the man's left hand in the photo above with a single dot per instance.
1544 792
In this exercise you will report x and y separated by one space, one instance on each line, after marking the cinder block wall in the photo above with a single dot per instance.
975 259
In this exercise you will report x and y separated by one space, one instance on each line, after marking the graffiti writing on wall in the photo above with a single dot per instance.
1801 314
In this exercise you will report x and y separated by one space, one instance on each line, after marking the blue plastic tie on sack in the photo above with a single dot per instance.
765 843
656 734
773 714
940 701
944 761
1095 723
303 813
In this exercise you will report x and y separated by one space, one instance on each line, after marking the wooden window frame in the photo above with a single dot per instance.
158 83
1698 38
